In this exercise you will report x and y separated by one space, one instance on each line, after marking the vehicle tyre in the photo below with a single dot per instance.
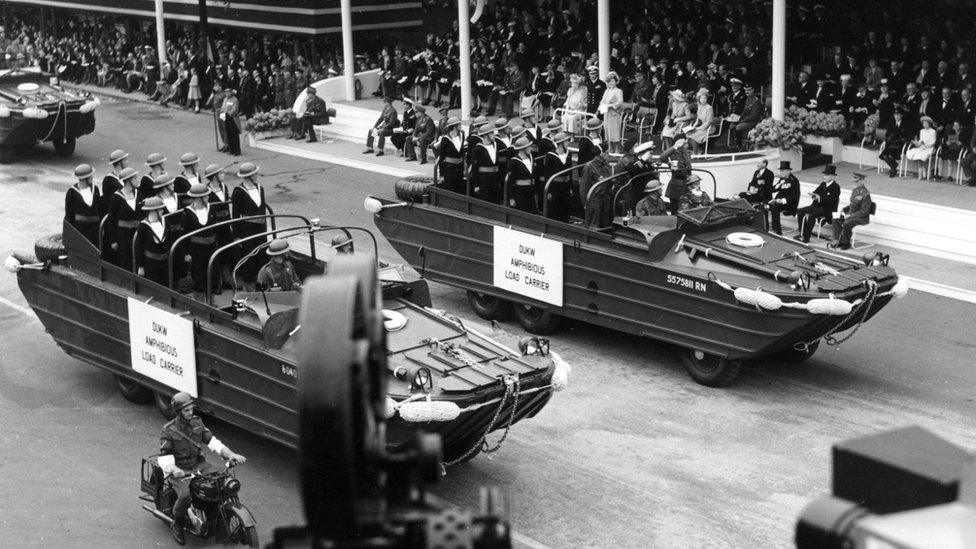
413 188
489 307
133 391
65 148
240 534
163 405
49 248
791 355
710 370
536 320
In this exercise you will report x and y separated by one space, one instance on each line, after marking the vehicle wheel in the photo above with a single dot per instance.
162 404
710 370
65 148
413 188
49 248
536 320
793 356
133 391
489 307
238 533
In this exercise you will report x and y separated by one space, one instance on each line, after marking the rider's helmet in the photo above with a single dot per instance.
342 243
180 400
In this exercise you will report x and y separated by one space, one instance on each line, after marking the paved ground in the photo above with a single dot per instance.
634 454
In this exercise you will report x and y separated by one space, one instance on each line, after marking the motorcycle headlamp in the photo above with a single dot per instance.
534 346
875 259
232 485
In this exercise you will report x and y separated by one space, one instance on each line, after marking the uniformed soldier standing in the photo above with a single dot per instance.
83 204
520 178
122 220
156 163
560 195
679 158
451 151
247 199
172 205
278 274
590 143
111 182
203 244
229 110
153 243
484 166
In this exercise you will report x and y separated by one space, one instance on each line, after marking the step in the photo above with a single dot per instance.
816 159
810 148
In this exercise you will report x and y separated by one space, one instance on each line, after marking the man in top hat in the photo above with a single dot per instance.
315 113
520 178
383 128
858 212
229 111
83 204
156 163
678 157
751 115
787 197
112 182
825 201
594 89
760 188
652 203
278 274
421 137
450 153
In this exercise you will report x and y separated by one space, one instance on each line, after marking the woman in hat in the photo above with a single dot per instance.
82 204
122 220
923 146
190 175
503 145
220 207
520 179
450 156
112 182
591 142
204 243
679 115
610 105
698 135
575 101
247 199
561 194
153 242
156 163
484 178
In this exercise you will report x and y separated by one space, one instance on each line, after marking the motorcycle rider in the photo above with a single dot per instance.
181 444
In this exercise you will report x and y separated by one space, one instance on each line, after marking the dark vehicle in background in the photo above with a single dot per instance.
32 111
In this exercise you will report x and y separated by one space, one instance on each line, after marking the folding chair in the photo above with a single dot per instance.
878 134
854 245
716 133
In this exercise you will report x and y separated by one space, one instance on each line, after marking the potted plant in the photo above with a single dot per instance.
785 135
821 128
274 123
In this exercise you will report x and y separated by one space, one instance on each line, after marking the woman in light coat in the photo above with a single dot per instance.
698 135
575 101
611 105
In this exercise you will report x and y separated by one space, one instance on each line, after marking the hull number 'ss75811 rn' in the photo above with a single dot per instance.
688 283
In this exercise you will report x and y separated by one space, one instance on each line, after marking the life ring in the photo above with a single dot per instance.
393 321
745 240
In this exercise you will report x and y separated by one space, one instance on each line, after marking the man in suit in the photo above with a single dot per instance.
897 134
950 109
422 136
967 115
229 110
928 106
825 201
383 128
787 189
802 91
760 188
823 96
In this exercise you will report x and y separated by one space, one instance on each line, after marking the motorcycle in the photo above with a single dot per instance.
215 510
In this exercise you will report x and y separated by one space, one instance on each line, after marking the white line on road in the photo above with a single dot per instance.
336 159
20 308
941 289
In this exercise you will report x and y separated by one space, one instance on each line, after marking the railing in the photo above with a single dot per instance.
558 113
545 190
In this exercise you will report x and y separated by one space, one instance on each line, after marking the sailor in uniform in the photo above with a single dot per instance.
196 216
111 182
122 220
156 163
473 138
247 199
83 204
520 182
189 176
546 133
503 146
153 243
450 151
590 143
561 194
484 166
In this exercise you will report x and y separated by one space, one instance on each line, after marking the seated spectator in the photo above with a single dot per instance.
825 200
760 188
895 137
752 113
951 144
383 128
858 212
704 119
923 146
679 115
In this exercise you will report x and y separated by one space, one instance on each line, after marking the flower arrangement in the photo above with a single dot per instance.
784 134
817 123
269 121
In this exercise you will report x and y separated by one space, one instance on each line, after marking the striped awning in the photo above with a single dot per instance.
307 17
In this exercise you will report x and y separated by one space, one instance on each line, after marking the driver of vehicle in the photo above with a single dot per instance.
652 203
278 274
694 197
181 444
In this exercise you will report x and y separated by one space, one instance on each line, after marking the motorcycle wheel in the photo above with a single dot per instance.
244 535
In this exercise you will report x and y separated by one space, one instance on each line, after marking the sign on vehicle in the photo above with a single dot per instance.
162 346
528 265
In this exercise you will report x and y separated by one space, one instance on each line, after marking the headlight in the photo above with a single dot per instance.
534 346
35 112
4 111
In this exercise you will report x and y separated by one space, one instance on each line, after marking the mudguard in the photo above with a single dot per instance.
246 517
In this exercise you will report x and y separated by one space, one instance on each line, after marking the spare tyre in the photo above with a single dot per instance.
49 248
413 188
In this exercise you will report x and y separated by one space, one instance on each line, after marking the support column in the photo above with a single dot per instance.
160 34
603 35
779 58
204 29
348 59
464 45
